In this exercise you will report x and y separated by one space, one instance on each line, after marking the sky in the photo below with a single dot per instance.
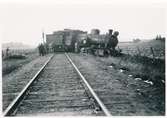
25 21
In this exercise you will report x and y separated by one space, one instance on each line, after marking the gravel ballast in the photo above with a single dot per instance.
58 91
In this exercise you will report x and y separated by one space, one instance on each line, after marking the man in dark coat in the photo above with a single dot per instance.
112 43
41 49
113 40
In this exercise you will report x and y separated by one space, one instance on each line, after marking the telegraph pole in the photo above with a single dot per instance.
43 37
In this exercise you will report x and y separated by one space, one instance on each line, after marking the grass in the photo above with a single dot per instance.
140 66
15 57
147 69
15 61
139 60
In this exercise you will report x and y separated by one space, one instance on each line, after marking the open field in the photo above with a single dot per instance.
16 59
143 48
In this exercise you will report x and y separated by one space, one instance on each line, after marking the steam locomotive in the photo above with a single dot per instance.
79 41
101 45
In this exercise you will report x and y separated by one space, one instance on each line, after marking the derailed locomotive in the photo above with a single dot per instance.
101 45
79 41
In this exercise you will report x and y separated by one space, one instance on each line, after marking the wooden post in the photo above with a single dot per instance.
152 51
139 52
119 50
128 51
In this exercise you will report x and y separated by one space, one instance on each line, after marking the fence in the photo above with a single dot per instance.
158 53
10 52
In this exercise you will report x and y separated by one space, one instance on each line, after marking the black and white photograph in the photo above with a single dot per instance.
83 58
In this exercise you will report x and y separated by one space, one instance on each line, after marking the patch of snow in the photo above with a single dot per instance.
121 70
138 89
111 66
149 82
138 79
84 99
52 110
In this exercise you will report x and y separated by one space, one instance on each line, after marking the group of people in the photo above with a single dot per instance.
43 49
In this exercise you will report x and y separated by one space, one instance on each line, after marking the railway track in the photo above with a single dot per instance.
58 88
117 94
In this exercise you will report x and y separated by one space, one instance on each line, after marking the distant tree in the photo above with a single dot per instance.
136 40
159 37
2 54
7 51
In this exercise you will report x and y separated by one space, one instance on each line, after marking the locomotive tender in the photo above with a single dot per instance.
79 41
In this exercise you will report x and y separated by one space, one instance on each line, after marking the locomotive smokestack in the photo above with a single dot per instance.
110 31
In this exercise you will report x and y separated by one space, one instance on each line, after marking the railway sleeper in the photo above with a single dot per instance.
78 110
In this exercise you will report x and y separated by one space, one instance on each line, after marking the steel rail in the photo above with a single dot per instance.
12 107
103 107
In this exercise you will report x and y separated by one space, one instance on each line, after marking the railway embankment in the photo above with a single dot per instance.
120 87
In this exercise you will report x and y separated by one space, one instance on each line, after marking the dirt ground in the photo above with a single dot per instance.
129 95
